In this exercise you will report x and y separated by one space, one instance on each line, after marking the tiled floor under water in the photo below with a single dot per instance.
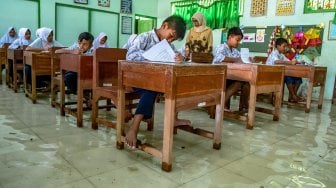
40 148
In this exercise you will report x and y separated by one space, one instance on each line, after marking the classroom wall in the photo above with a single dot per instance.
47 8
20 13
328 48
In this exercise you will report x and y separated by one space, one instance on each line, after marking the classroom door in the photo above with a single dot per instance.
144 24
107 23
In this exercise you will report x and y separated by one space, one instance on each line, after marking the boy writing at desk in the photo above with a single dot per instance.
228 53
82 46
277 57
172 28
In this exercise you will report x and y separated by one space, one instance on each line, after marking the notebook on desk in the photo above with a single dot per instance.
161 51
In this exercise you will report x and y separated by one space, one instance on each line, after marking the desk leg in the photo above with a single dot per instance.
277 105
80 91
94 112
168 132
15 76
120 117
309 95
320 102
62 91
33 84
219 125
7 74
252 105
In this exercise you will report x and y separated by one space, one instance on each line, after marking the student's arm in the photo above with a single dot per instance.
68 51
29 48
36 45
281 62
232 60
15 44
136 49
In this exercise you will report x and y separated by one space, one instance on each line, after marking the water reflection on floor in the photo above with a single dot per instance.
40 148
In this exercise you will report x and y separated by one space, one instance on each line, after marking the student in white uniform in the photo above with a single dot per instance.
9 37
23 40
100 41
43 43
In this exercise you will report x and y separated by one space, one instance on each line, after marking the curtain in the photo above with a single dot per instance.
218 13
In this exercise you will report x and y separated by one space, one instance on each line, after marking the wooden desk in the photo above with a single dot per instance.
316 77
82 65
262 79
185 86
14 57
3 59
40 65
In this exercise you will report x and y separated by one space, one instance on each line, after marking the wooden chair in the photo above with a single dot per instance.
261 59
105 85
40 65
82 64
200 57
265 97
3 59
15 61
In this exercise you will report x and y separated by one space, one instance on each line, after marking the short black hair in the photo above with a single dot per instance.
280 41
87 36
235 31
178 24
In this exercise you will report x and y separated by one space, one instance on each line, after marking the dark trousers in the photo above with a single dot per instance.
146 102
70 80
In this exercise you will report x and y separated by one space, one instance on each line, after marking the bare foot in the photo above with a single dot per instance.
179 122
227 110
131 138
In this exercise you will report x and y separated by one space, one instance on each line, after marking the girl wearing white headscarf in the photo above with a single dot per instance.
199 38
23 40
100 41
45 40
43 43
9 37
38 32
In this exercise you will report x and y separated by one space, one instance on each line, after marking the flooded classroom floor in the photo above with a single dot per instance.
40 148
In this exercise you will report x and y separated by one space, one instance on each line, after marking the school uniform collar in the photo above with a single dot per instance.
156 38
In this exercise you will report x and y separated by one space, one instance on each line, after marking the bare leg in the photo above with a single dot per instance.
296 88
232 89
179 122
245 95
131 135
292 96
